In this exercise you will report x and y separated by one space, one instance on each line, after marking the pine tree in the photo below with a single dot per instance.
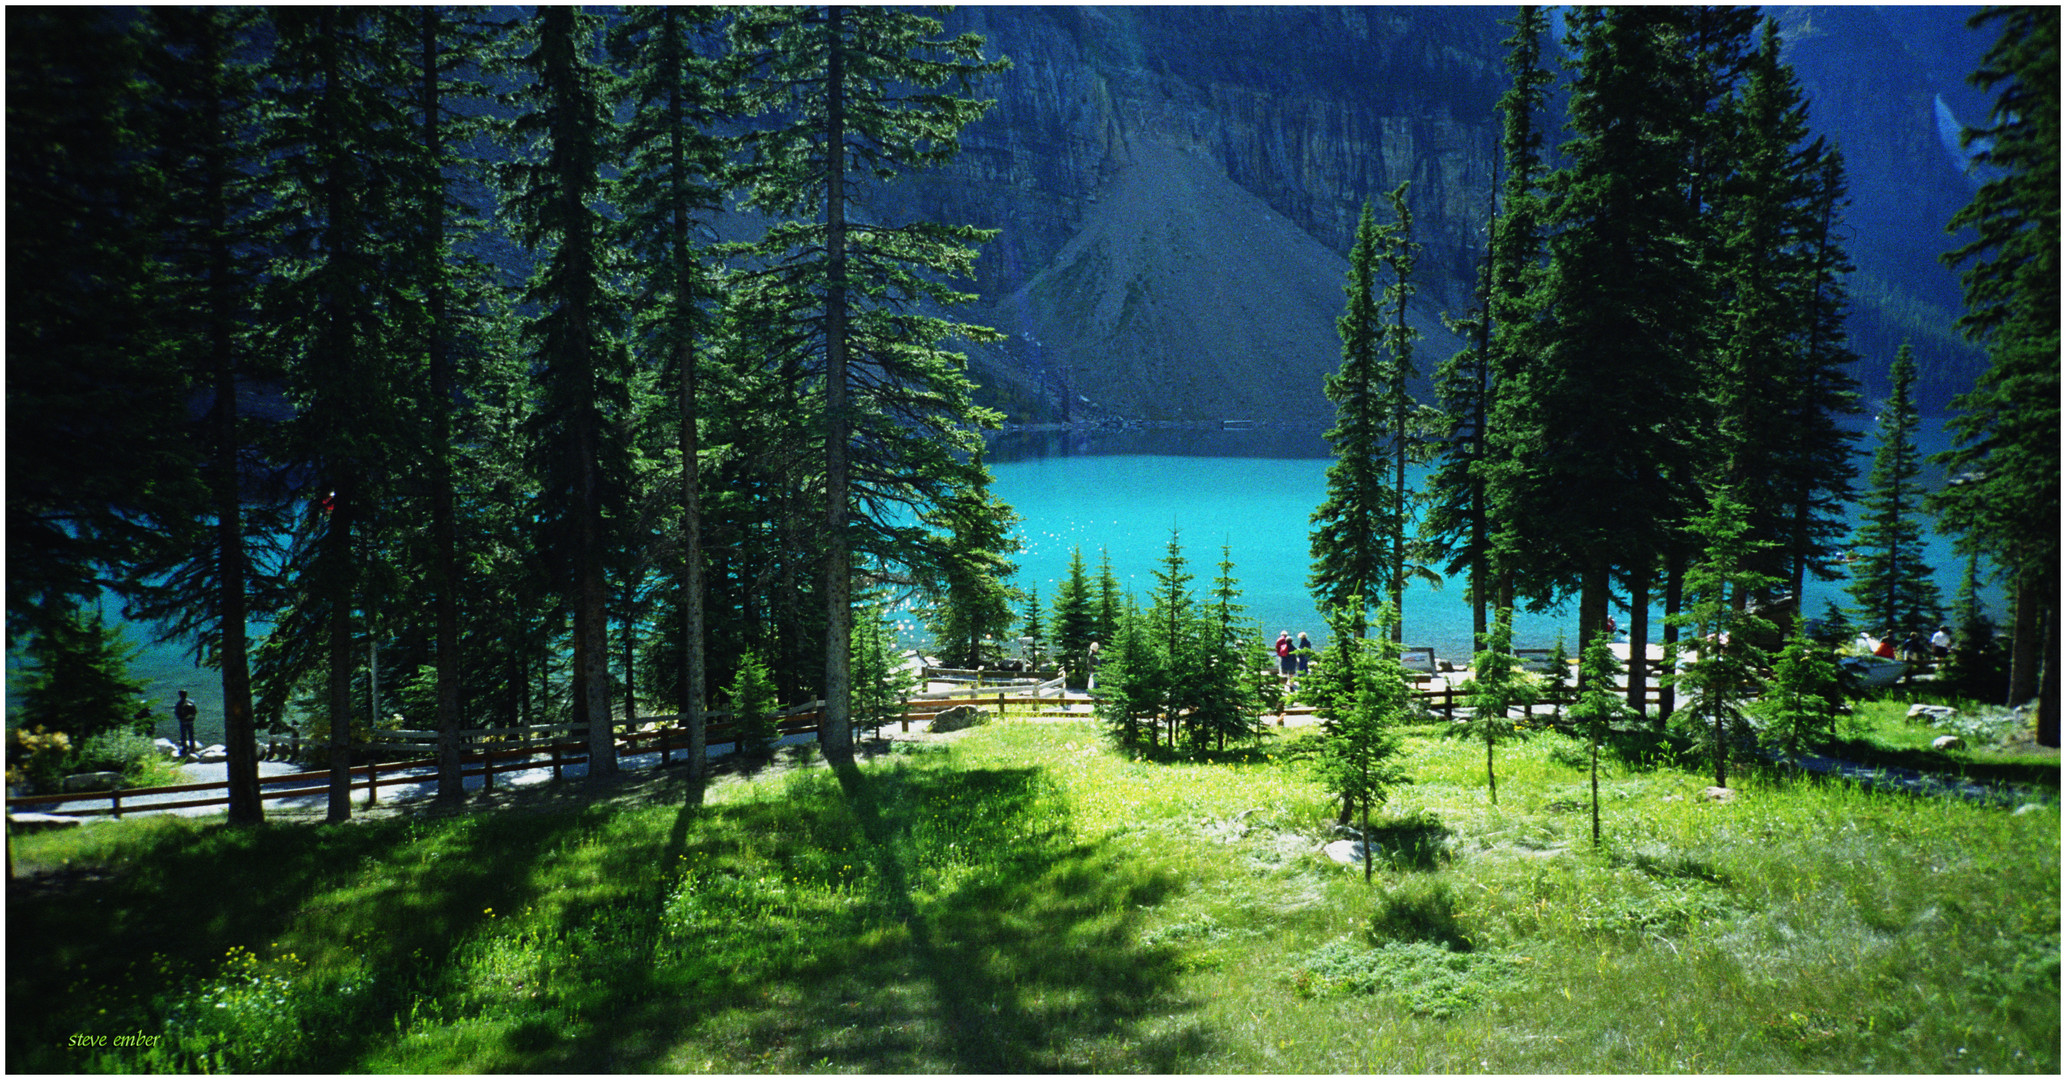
100 467
1976 668
1723 675
1109 601
753 708
1816 463
1895 591
971 594
670 187
1601 419
1802 701
204 100
1075 620
1349 557
1132 682
1173 622
1033 631
881 682
1514 311
563 133
1780 378
1497 684
1457 523
2004 499
1361 695
337 147
1598 708
880 86
79 678
1229 700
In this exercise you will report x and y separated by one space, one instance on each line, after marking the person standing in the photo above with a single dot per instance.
1940 643
185 712
1287 666
1305 653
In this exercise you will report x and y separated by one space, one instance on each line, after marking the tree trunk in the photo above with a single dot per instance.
2026 645
2048 675
627 645
1639 635
1594 595
1674 598
444 572
693 694
835 733
337 553
239 728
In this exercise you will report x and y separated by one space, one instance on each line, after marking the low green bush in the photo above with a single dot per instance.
134 755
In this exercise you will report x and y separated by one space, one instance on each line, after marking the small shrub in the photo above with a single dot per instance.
1416 841
1419 910
1422 977
135 756
39 758
753 707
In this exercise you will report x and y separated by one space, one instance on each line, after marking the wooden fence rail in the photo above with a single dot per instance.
503 750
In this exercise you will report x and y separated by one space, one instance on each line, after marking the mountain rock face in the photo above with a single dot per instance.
1177 188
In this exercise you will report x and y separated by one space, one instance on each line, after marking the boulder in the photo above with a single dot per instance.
1931 714
28 823
1345 852
959 717
166 747
92 781
1719 794
213 755
1947 742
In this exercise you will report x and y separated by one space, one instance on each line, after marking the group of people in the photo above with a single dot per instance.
1292 660
1911 648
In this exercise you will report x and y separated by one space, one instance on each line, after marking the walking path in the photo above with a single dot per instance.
420 783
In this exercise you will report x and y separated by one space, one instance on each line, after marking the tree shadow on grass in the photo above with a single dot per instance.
925 920
389 899
1025 940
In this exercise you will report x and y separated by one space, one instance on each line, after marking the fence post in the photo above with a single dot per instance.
555 759
372 782
115 797
1000 704
487 767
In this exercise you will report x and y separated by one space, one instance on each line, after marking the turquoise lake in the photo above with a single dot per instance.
1252 491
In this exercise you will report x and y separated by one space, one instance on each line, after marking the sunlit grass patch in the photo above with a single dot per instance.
1028 899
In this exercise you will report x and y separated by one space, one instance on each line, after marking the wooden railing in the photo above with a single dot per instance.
490 751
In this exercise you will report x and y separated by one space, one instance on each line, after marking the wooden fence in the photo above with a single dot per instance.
491 751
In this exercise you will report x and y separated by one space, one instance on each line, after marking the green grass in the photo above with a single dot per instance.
1029 900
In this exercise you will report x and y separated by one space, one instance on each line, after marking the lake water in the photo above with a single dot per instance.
1252 491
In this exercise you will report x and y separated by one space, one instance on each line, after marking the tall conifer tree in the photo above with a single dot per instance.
96 413
1605 405
847 99
204 145
337 145
1894 589
669 190
1363 529
564 133
2004 500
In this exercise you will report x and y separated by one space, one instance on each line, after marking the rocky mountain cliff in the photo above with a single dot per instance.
1177 188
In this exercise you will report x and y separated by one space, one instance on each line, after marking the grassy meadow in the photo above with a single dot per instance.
1025 898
